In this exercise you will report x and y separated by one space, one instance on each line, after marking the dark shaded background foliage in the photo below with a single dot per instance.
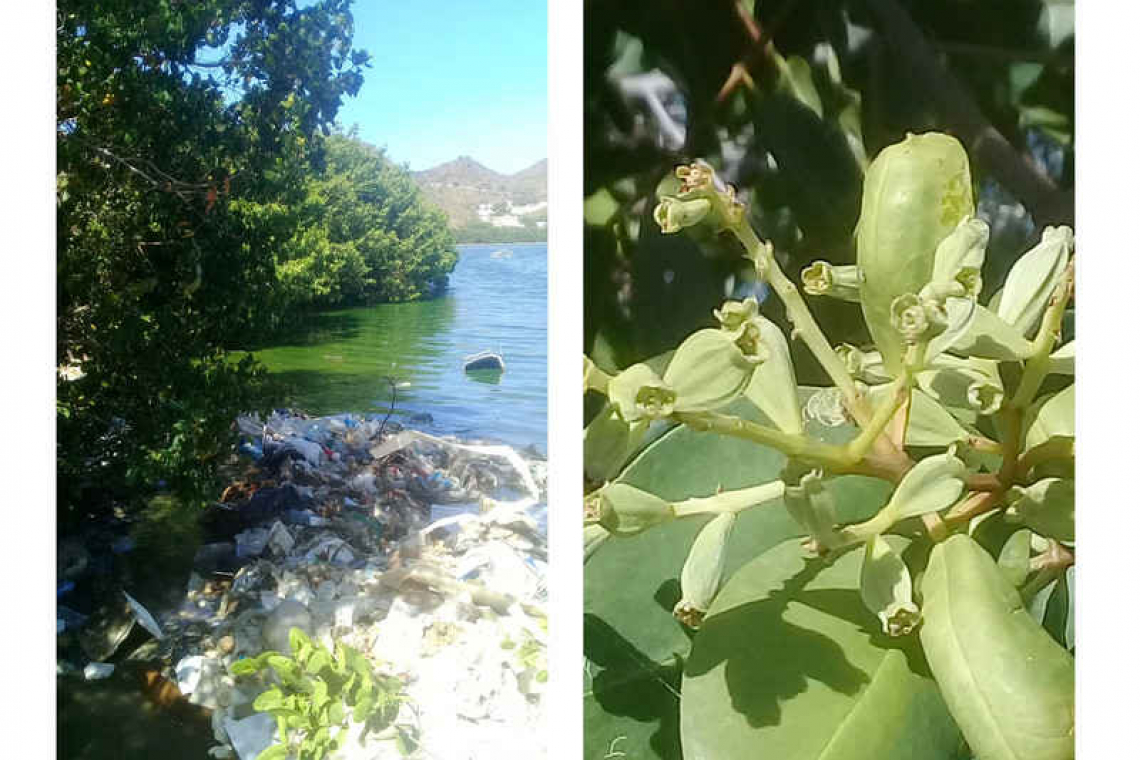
789 100
193 165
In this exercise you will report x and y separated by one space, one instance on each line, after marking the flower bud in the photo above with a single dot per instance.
1062 361
987 336
825 279
886 589
592 377
711 368
928 423
1032 279
915 194
733 315
699 183
812 506
607 442
930 486
674 214
959 257
866 366
640 394
1051 418
626 511
593 536
697 177
701 574
773 387
1046 507
963 388
909 317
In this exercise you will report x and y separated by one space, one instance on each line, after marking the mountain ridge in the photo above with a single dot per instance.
460 186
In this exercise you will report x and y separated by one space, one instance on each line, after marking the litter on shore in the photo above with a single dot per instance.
426 555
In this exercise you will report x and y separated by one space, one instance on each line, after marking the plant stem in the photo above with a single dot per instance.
1012 414
1038 365
803 321
1054 448
730 501
858 447
977 503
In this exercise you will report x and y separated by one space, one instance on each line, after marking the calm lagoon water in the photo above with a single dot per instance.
338 361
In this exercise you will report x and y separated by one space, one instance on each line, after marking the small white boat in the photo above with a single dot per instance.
502 254
483 361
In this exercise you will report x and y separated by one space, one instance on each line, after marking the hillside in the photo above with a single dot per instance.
474 196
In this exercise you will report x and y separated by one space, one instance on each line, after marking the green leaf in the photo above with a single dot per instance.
608 441
362 709
320 659
1014 559
989 337
287 670
297 640
1008 685
1052 418
251 665
795 80
789 664
336 712
773 385
931 485
268 700
1047 506
274 752
1032 279
631 584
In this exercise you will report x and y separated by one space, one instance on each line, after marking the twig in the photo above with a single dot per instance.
963 116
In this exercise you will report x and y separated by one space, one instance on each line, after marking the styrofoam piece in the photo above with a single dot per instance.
97 671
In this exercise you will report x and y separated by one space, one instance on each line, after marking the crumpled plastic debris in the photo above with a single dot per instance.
426 554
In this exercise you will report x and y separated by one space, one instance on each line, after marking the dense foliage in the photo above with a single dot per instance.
789 103
482 232
191 175
364 234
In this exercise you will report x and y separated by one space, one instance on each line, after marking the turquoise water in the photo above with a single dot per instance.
339 360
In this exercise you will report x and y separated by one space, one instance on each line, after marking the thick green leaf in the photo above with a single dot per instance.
274 752
269 699
789 664
297 640
631 583
1014 558
1007 683
1052 418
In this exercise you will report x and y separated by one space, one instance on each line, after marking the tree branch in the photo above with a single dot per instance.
1045 201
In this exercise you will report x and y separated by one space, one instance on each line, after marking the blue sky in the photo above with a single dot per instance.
450 78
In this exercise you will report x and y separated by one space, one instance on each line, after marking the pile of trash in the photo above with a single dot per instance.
427 555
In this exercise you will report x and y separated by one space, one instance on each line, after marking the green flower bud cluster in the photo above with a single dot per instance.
700 198
943 370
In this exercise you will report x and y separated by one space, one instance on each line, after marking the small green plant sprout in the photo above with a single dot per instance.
316 695
957 414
